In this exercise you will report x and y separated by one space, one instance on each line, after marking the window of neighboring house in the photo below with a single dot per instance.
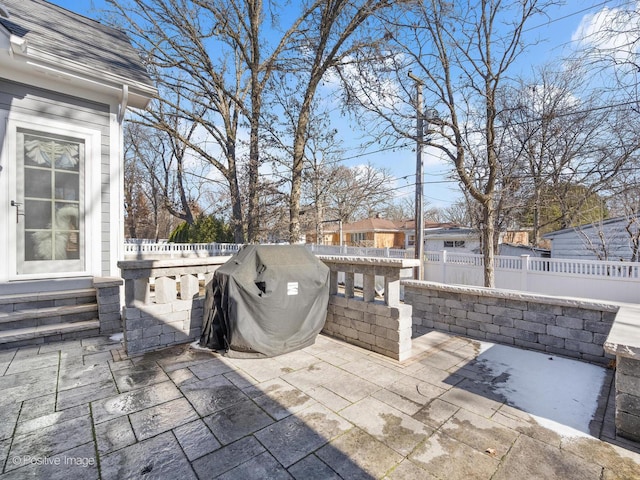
411 240
358 237
454 244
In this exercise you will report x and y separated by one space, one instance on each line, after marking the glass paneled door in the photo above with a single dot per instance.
49 207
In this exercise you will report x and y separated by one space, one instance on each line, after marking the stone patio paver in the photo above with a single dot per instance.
138 375
51 440
211 394
114 434
158 457
227 458
134 401
312 468
446 457
239 420
196 439
359 455
296 436
558 465
480 433
82 409
395 429
77 463
85 394
161 418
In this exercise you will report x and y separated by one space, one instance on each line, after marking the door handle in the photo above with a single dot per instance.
18 213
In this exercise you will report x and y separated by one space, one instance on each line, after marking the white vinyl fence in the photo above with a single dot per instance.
359 251
151 251
610 281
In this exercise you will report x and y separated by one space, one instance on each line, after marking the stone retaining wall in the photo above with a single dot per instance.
374 326
153 326
574 328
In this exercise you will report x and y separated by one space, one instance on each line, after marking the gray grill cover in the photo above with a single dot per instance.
265 301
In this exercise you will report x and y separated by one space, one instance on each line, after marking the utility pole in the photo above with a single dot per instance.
419 221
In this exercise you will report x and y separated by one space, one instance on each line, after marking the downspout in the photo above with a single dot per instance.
123 103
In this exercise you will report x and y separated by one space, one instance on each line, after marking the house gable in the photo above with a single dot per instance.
606 240
43 41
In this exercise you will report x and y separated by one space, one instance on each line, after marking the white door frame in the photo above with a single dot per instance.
92 189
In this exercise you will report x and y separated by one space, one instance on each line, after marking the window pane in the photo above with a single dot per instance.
37 214
37 183
37 245
67 186
67 235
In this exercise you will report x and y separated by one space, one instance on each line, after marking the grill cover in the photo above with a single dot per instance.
266 300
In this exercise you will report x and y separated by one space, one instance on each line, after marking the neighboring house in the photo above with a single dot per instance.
515 250
65 84
452 239
467 240
371 232
408 227
383 233
611 239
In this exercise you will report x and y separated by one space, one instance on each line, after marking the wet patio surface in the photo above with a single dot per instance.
81 409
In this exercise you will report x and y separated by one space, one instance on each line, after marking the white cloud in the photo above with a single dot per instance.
613 31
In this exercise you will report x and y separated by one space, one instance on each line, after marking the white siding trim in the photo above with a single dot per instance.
116 191
4 198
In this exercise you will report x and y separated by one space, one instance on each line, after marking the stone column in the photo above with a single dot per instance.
108 299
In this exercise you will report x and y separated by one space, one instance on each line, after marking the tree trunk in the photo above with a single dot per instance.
488 233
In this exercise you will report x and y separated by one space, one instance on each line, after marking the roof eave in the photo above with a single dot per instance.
140 94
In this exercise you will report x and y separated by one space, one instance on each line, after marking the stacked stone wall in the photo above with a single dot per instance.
374 326
574 328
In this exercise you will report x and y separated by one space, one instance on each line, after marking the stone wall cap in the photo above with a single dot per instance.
106 282
178 262
576 302
624 337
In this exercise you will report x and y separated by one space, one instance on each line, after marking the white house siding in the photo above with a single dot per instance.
582 243
471 245
43 105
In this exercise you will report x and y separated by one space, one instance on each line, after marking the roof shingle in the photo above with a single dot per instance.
56 31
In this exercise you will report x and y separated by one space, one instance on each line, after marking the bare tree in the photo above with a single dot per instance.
215 62
463 52
625 204
357 192
161 163
567 145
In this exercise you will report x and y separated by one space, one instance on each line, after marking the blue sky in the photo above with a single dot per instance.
554 40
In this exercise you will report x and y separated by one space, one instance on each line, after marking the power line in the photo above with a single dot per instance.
568 15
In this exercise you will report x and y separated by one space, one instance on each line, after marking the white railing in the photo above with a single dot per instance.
150 251
146 249
359 251
144 240
612 281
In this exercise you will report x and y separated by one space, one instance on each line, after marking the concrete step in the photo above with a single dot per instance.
48 333
26 301
34 317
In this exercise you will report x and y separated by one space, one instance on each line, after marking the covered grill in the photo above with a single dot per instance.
265 301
